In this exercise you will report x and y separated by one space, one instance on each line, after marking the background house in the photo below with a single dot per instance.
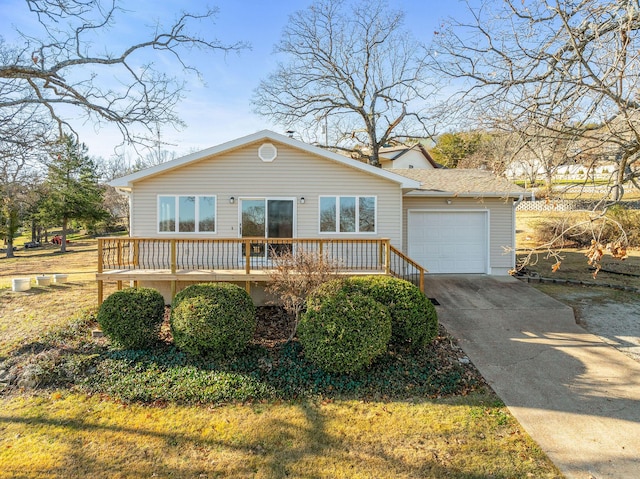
399 157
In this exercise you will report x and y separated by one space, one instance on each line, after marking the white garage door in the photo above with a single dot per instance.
449 242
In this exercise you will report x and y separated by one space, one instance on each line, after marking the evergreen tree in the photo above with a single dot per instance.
74 191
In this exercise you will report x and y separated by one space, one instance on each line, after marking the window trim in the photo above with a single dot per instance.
176 199
357 219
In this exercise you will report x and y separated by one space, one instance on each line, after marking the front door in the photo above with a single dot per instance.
267 218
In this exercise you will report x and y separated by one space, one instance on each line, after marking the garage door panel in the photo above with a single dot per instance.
449 242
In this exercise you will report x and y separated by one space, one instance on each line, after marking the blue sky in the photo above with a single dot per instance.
218 108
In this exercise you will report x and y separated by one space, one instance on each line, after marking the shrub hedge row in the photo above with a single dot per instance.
347 324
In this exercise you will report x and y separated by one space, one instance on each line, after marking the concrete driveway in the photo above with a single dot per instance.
578 397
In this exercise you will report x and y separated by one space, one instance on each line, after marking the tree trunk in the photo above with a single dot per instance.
10 247
548 182
63 241
618 189
12 228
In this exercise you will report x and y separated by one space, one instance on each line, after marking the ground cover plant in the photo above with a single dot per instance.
90 410
270 369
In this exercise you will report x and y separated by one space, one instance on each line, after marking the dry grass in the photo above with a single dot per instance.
580 193
66 435
574 265
62 434
24 316
80 261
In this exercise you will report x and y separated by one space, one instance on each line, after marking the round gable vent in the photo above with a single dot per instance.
267 152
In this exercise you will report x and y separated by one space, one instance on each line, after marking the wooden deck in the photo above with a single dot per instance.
249 260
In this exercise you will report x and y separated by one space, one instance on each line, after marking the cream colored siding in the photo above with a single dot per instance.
501 226
241 174
411 159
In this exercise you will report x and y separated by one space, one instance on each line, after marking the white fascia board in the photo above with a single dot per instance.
466 194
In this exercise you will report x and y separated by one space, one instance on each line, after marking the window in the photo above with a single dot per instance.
186 214
347 214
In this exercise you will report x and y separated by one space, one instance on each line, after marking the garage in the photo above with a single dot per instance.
449 241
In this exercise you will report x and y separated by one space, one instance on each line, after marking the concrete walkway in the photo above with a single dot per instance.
576 396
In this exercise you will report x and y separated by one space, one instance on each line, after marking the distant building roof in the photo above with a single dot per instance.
395 152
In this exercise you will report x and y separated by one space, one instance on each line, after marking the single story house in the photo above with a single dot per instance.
222 213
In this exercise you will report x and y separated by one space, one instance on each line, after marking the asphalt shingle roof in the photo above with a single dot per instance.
462 182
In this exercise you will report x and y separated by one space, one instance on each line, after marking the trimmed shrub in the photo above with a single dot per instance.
344 333
215 319
131 318
414 320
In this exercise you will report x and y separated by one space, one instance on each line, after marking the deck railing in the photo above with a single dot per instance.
248 254
401 266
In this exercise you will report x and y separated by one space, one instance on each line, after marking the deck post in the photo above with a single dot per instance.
422 279
100 292
387 257
173 256
247 256
173 268
100 260
100 267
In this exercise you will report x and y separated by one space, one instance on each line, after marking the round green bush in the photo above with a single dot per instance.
215 319
131 318
414 320
344 333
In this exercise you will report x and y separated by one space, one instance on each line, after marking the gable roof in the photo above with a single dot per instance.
394 152
126 182
459 182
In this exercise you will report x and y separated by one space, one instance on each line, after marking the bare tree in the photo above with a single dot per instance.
23 133
70 70
495 152
352 70
570 67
